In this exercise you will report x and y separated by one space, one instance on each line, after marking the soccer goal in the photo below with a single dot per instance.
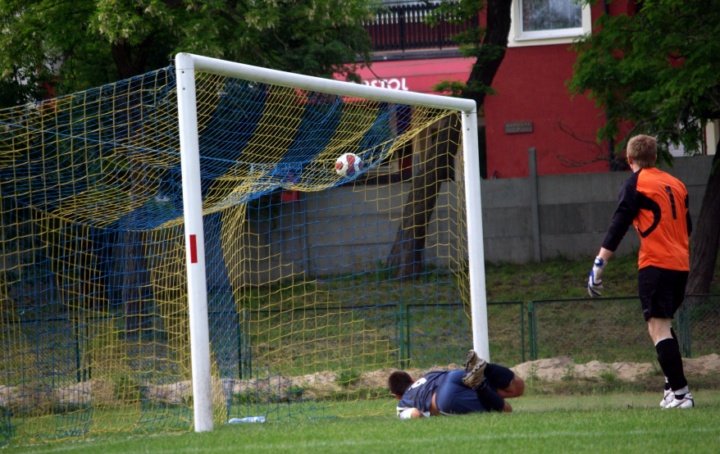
178 250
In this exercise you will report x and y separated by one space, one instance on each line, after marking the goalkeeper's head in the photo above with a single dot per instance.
642 150
399 382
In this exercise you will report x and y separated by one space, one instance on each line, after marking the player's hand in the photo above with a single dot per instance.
594 285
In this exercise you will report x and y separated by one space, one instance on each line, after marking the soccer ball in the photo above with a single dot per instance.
348 165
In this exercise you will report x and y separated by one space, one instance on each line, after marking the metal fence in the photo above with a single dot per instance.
403 27
434 335
613 329
421 335
425 335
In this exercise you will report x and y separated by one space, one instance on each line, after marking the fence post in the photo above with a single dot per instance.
78 355
402 327
522 331
244 348
683 326
407 334
535 205
532 331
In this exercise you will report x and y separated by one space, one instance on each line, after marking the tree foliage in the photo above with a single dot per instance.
486 44
75 44
657 71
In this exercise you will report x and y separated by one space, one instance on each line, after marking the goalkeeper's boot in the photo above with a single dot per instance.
685 401
668 397
474 370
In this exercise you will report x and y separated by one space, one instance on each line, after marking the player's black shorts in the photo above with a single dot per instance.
661 291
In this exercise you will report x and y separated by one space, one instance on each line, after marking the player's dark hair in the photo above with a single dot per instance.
399 381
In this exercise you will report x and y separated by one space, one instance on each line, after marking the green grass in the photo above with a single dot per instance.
557 278
613 423
562 278
574 415
608 329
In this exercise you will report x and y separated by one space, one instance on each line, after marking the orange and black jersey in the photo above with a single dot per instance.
656 203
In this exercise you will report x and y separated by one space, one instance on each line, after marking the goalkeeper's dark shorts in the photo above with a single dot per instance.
453 397
661 291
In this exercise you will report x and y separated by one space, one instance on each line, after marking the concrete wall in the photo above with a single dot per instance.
573 212
344 230
524 219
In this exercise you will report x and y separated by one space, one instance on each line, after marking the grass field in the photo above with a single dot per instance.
563 278
570 416
617 423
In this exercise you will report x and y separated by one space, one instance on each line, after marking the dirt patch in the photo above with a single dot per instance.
563 368
325 384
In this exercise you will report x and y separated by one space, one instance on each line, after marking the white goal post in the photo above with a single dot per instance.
186 66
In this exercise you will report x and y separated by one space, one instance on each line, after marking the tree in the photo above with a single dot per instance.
62 46
487 45
71 45
656 71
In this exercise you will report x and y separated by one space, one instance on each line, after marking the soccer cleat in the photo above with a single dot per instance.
668 397
474 370
471 359
685 401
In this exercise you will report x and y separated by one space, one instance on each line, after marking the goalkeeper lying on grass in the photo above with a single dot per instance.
482 386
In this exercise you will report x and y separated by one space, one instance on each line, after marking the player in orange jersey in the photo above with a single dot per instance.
656 204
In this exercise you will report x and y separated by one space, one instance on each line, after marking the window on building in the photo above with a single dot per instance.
537 22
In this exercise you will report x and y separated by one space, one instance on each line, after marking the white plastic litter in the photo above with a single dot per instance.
247 419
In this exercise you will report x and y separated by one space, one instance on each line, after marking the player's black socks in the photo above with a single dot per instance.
668 355
666 386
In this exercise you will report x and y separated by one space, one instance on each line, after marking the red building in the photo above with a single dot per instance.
531 107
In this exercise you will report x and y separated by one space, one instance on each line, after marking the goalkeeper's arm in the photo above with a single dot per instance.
627 209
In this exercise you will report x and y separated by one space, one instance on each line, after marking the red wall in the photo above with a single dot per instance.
531 87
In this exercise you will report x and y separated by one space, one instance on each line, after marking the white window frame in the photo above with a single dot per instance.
518 38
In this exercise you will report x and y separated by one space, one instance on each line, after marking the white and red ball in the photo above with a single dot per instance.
348 165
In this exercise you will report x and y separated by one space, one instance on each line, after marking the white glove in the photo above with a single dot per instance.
594 285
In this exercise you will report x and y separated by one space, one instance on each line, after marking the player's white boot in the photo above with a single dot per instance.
668 397
686 401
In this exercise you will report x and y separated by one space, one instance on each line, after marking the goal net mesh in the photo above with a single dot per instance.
318 284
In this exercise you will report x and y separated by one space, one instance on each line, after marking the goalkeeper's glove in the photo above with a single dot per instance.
594 285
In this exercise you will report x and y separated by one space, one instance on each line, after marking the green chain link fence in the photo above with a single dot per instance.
613 329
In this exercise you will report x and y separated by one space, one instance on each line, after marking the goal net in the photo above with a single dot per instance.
177 249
